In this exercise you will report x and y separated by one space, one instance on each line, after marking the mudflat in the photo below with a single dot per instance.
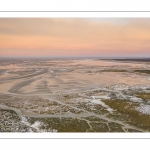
74 95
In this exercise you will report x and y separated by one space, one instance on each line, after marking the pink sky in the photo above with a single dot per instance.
48 37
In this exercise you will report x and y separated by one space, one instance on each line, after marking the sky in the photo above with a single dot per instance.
74 37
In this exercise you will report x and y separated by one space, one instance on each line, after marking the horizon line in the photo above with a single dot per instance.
89 57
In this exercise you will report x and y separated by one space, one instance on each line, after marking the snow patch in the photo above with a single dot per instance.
145 109
46 108
101 97
36 125
24 120
98 101
135 99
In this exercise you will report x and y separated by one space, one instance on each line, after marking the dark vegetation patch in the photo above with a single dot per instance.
127 111
114 70
100 125
62 124
142 71
144 96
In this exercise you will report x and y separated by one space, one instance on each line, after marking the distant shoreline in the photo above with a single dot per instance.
132 59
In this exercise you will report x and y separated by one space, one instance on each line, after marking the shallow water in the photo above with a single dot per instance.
69 76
